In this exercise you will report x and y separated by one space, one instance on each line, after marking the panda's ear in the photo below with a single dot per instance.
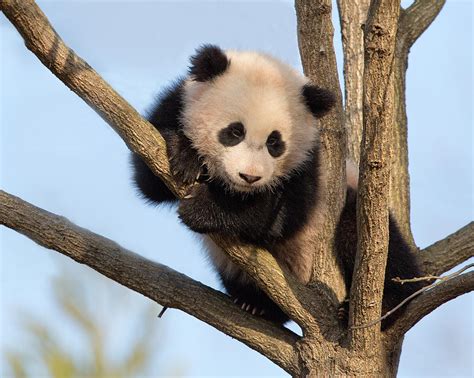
319 101
208 62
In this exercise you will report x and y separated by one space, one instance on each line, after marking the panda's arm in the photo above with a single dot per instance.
184 160
214 211
150 186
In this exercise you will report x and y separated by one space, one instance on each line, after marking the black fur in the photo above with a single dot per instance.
262 218
232 135
250 295
400 262
208 62
318 100
252 217
275 144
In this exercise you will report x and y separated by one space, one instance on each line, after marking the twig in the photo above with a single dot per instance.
162 311
428 301
416 293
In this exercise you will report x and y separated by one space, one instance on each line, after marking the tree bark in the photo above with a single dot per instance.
315 39
373 194
449 252
352 17
412 22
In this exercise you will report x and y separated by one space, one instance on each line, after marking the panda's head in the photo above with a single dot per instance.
250 117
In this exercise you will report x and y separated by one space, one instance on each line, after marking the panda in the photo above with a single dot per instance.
243 125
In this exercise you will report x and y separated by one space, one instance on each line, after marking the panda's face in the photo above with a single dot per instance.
250 158
250 124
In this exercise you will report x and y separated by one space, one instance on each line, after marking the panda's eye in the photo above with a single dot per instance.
275 145
232 135
238 132
272 141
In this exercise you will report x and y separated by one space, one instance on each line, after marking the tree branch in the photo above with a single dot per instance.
141 137
421 306
412 22
352 17
449 252
315 40
290 294
416 19
43 41
373 195
155 281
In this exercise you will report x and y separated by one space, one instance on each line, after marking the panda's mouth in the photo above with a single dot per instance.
237 185
245 187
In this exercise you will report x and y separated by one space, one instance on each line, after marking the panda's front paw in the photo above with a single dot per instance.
186 170
194 213
186 165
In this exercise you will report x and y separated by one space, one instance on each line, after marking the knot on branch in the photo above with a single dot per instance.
375 164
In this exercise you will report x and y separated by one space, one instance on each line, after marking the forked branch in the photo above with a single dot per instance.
415 20
422 305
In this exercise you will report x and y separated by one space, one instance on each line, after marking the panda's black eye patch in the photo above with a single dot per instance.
232 135
275 145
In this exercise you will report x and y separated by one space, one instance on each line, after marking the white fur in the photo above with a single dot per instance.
265 95
352 174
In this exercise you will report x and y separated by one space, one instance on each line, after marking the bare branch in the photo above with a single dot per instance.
43 41
352 17
418 292
373 195
139 135
416 19
155 281
412 22
449 252
315 40
419 307
284 289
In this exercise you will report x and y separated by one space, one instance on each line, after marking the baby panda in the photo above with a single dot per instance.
244 126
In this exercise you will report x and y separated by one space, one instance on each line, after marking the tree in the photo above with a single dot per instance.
364 350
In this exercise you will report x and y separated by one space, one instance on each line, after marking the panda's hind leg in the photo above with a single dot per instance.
253 300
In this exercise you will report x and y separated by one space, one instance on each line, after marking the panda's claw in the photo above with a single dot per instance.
343 311
249 307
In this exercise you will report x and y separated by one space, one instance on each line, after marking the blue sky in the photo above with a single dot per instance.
59 155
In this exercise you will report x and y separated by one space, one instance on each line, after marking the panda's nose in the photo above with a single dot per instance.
249 178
